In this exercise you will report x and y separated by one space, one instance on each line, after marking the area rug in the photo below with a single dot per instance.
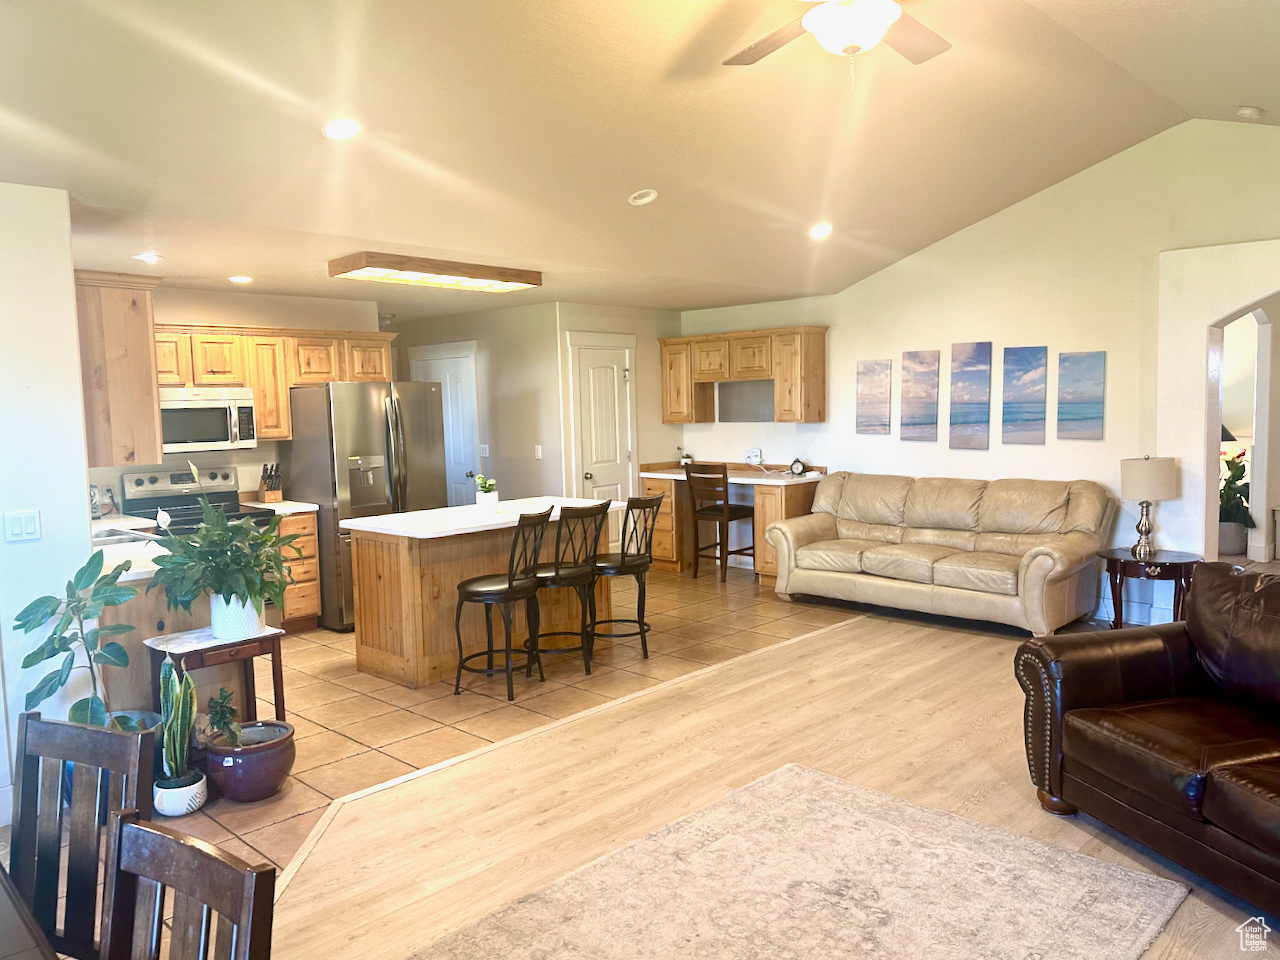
799 864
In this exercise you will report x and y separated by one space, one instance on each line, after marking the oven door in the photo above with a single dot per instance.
192 425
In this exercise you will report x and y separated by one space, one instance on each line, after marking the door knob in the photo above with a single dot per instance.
587 476
471 473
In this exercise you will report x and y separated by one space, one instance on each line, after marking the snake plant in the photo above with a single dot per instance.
177 718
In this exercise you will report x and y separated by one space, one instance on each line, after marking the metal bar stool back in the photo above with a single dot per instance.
634 560
505 590
708 485
577 544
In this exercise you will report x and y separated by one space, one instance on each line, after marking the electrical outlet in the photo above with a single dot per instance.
537 451
754 456
484 449
22 525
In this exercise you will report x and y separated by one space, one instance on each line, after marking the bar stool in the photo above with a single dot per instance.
633 561
577 543
708 485
520 582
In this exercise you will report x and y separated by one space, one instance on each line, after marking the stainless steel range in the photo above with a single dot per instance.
177 492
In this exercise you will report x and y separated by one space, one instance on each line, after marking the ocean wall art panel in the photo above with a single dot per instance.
970 395
920 394
1082 380
1023 411
874 381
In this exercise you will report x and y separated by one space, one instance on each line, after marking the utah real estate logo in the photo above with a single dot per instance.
1253 934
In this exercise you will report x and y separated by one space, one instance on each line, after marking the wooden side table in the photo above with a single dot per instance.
1164 565
193 649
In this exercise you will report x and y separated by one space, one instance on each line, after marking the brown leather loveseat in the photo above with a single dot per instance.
1171 733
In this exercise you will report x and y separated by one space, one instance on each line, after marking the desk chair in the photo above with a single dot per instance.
577 543
633 561
708 486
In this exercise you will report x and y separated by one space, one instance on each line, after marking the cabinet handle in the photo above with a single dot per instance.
1154 570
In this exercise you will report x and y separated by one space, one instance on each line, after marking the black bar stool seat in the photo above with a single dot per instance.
495 587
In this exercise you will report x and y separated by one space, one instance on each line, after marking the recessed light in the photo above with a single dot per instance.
344 128
820 231
1250 113
641 197
148 257
241 279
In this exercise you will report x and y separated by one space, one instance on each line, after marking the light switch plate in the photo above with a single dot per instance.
484 449
537 451
22 525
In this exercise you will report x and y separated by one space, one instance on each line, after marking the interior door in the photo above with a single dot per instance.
457 379
604 434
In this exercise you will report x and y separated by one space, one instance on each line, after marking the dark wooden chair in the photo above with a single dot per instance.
218 900
708 486
632 561
577 543
505 590
112 771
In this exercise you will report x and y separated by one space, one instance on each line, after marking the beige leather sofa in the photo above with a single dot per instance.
1021 552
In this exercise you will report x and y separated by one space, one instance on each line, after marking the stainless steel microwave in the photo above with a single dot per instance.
206 418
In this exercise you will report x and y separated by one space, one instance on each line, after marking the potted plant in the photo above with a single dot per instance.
486 492
685 457
183 789
248 761
237 563
1233 507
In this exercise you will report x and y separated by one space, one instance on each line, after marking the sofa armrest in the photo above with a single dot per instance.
1069 553
788 536
1059 674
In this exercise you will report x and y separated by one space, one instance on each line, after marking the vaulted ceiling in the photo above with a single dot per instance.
512 133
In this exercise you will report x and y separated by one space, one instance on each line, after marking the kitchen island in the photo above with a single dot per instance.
406 571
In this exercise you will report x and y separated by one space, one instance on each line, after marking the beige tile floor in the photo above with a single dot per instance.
354 731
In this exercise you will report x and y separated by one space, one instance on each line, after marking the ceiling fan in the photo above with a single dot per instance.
847 27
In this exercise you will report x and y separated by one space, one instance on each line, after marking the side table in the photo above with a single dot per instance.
193 649
1164 565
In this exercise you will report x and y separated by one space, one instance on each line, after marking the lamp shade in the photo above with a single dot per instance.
1149 478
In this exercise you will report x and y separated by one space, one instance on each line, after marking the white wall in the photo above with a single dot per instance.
41 431
175 305
1074 267
1239 358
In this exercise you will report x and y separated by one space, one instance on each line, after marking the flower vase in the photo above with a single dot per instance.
487 501
234 620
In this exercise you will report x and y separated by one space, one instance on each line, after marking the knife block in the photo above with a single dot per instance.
269 496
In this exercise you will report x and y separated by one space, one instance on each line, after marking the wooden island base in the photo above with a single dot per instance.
406 594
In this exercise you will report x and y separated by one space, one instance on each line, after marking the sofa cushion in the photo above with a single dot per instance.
904 561
1164 749
879 532
940 537
872 498
1087 505
1234 621
985 572
942 502
842 555
1014 544
1023 506
1244 799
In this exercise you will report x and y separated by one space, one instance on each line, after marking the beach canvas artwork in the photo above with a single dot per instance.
970 395
920 394
874 379
1082 379
1023 410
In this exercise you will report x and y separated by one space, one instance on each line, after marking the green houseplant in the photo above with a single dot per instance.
486 492
1233 506
248 761
238 564
182 789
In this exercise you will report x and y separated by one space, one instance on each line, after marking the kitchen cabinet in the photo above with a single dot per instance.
751 358
777 503
173 359
684 401
118 368
367 360
317 360
268 369
800 376
669 528
710 360
217 360
302 597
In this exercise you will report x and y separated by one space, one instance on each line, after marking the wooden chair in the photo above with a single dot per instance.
112 770
708 486
577 543
218 899
505 590
632 561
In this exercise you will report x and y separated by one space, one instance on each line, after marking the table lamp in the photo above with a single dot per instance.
1147 479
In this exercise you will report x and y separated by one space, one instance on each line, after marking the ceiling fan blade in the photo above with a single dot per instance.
913 40
762 48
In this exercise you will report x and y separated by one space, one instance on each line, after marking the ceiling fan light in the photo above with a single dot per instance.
851 26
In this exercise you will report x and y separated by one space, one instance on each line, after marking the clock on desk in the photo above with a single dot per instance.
797 467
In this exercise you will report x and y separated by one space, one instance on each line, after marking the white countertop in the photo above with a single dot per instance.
453 521
119 521
742 476
282 507
140 553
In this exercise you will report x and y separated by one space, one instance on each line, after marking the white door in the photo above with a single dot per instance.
457 379
604 427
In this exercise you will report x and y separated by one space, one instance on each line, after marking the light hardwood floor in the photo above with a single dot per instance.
922 709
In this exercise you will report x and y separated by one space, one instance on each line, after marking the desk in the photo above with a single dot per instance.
776 496
193 649
20 937
1164 565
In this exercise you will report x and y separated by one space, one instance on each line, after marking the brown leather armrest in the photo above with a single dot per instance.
1064 673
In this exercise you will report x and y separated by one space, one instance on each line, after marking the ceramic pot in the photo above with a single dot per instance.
487 501
1233 539
234 620
256 768
182 795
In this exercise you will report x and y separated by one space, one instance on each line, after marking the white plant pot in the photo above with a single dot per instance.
179 801
1233 539
487 501
234 620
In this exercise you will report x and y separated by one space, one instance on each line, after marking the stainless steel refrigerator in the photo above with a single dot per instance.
362 450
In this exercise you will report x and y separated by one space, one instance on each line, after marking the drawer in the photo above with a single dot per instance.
664 521
302 600
229 655
652 488
664 545
306 547
303 523
304 571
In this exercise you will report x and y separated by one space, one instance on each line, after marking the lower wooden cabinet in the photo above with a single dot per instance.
777 503
668 530
302 597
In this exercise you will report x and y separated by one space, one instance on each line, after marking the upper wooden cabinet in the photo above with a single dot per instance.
173 359
267 361
317 360
217 360
794 358
118 368
367 360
